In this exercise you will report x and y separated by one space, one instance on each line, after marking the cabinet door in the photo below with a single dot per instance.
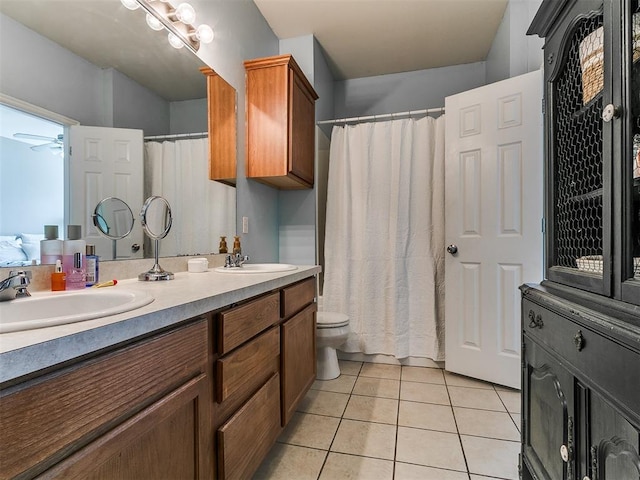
302 135
245 439
221 109
70 407
630 152
298 359
579 148
613 442
547 414
169 439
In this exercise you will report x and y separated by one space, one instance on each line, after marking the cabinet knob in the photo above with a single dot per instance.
578 339
610 112
564 453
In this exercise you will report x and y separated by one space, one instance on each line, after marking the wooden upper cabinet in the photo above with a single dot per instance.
280 121
221 98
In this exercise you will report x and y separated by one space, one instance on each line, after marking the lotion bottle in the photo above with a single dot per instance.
92 266
73 258
51 246
237 248
58 278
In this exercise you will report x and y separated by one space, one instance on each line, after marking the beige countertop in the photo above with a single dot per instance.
187 296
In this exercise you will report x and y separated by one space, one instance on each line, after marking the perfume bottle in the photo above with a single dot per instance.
58 278
73 258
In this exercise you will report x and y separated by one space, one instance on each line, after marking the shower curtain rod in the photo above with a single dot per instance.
177 135
384 116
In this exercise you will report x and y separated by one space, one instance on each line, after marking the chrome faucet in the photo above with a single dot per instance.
235 261
15 285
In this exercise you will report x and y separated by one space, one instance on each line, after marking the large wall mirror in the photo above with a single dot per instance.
98 65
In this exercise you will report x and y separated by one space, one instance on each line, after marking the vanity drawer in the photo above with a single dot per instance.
245 369
246 438
298 296
244 322
605 361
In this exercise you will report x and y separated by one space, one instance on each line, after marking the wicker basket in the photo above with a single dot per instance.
593 264
592 64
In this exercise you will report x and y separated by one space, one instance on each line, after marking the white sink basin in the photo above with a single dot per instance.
258 268
49 309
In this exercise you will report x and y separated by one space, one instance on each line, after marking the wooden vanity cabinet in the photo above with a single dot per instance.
265 364
221 108
298 358
140 411
280 123
246 415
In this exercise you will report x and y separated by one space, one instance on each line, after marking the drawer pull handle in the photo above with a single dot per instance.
535 321
578 340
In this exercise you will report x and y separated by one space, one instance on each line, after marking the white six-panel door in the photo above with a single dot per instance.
493 212
106 162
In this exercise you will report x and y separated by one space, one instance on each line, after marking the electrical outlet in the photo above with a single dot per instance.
245 224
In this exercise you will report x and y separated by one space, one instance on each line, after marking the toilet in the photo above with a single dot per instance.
332 330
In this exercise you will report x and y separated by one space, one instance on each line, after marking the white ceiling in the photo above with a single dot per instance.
363 38
360 37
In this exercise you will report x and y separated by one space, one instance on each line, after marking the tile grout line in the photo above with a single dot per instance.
324 463
464 455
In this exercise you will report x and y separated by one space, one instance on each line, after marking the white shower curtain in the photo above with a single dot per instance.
202 209
384 237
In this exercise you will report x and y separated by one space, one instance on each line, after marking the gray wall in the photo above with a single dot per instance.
404 91
513 52
242 33
41 72
297 209
29 176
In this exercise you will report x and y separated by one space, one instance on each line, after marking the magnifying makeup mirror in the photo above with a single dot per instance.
156 222
113 219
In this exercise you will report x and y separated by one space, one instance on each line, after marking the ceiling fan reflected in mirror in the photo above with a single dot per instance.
55 144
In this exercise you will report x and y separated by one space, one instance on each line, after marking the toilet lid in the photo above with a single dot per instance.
331 319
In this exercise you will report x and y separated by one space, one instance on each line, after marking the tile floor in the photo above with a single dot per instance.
384 422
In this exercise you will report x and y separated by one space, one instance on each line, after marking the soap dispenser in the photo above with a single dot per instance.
222 248
237 249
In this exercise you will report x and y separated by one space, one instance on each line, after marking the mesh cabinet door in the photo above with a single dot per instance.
578 168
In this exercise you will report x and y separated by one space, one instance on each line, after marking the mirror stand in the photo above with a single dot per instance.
113 219
156 222
156 272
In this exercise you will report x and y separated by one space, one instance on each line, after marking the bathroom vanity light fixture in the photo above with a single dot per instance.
179 22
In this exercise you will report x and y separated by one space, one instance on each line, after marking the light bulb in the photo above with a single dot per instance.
175 41
130 4
204 33
186 13
154 23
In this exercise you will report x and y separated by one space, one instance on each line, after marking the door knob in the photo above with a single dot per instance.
452 249
610 112
564 453
135 247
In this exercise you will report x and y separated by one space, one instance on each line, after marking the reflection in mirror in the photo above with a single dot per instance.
156 221
113 219
105 68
